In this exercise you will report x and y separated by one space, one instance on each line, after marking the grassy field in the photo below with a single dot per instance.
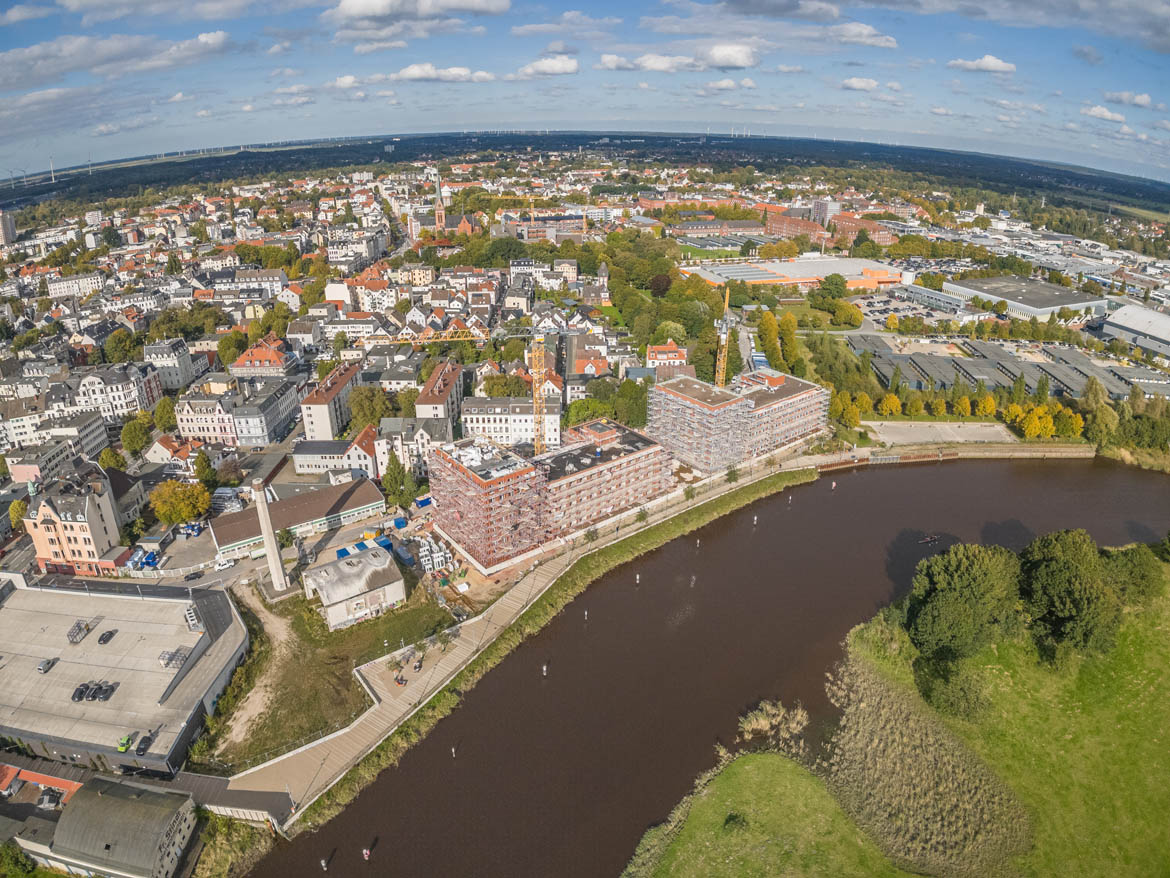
317 691
1083 748
764 815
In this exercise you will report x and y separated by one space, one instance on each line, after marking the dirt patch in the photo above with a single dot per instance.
280 633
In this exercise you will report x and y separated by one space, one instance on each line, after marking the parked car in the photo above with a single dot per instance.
46 665
124 744
191 577
107 636
107 692
225 564
143 745
50 799
418 665
95 689
80 692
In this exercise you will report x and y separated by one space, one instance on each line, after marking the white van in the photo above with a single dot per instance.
225 564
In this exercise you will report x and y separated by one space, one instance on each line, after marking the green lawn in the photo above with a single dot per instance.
614 315
763 816
1086 750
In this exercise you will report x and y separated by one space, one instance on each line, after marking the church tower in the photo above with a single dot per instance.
440 211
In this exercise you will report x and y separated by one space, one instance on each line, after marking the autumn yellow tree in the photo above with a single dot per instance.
986 406
963 406
938 406
864 403
174 502
892 323
890 405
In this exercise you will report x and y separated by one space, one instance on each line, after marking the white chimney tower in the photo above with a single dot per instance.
271 546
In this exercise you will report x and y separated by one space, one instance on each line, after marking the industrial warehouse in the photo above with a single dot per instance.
113 682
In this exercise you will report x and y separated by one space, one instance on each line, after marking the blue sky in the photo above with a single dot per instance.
1086 81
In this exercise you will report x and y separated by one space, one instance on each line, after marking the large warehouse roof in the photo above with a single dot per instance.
1146 321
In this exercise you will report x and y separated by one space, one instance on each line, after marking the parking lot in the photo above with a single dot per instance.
879 308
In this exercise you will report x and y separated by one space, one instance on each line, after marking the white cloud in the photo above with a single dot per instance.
614 62
986 64
941 111
859 83
370 46
110 56
294 101
559 47
299 88
555 65
371 10
284 72
855 33
1129 98
178 97
1071 126
789 68
105 129
1164 124
279 48
894 86
655 63
729 56
573 22
722 85
1099 112
1125 129
347 81
23 12
428 72
747 82
203 114
247 108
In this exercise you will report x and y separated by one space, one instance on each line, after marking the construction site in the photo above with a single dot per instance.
711 428
496 505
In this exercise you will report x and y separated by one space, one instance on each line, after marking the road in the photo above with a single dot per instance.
745 348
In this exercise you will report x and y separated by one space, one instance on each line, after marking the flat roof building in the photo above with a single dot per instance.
1144 327
168 662
804 272
356 587
711 428
1026 298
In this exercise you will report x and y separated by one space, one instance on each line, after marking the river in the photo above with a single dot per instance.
560 775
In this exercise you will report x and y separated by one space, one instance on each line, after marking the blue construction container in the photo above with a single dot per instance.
400 523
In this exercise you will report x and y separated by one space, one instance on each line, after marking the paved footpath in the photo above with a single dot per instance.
309 771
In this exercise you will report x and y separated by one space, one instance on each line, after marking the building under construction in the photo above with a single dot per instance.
711 428
495 505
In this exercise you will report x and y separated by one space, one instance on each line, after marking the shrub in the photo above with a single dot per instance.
1135 574
1065 588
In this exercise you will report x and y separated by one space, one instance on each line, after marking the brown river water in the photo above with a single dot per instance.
560 775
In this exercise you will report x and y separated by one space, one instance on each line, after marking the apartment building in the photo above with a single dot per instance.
711 428
75 285
339 454
40 463
326 409
266 415
113 391
73 524
208 418
669 354
269 357
509 420
442 393
176 367
411 441
496 505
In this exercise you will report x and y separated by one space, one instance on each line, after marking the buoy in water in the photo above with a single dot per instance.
452 752
755 520
834 486
586 615
544 669
365 853
637 577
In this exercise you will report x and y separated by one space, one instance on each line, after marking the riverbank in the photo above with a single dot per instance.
1081 745
585 569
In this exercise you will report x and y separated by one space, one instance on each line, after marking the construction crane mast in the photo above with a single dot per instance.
724 325
536 370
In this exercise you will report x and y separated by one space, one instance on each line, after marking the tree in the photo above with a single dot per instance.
986 406
3 467
890 405
14 862
864 403
135 437
938 406
205 472
231 346
174 266
230 473
1101 424
17 510
285 538
660 284
175 502
732 474
119 347
892 323
324 367
340 343
1065 590
505 386
788 346
405 400
145 418
851 417
368 405
111 238
393 478
961 599
164 415
1135 573
963 406
110 459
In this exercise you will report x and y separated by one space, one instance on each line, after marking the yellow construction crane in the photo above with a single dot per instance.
724 325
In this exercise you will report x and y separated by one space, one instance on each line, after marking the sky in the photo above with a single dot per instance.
1081 81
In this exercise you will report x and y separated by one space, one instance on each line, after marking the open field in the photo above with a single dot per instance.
317 691
764 815
1083 748
910 432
